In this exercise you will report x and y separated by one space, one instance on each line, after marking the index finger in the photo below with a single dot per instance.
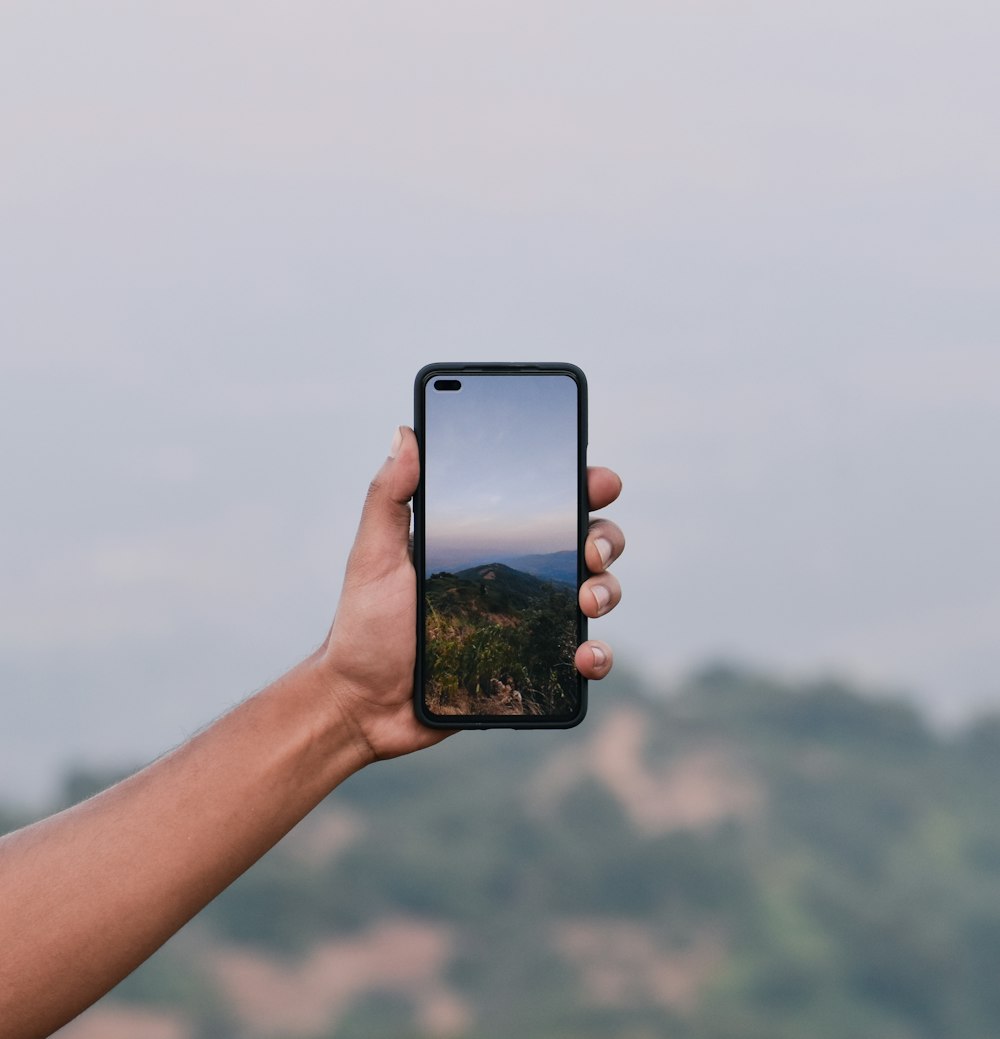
603 486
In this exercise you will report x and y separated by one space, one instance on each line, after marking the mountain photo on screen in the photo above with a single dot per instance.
500 590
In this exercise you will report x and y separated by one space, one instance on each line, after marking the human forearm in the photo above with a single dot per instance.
88 894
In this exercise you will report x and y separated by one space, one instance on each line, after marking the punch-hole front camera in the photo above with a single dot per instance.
447 385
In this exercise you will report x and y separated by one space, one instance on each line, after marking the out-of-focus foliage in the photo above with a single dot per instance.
743 860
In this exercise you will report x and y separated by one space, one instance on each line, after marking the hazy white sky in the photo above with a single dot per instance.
231 233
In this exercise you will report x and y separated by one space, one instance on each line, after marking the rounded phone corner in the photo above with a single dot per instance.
530 419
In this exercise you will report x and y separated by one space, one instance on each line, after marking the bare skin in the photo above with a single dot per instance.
90 893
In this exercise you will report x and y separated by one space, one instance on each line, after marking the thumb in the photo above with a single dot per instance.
384 532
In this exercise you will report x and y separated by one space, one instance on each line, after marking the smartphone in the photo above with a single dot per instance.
500 518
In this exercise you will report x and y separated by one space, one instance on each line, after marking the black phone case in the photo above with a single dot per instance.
456 370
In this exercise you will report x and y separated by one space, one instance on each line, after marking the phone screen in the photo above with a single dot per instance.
498 537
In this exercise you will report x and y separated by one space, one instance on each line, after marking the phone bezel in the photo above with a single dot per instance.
455 369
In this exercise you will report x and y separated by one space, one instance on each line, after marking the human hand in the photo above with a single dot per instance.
368 659
149 852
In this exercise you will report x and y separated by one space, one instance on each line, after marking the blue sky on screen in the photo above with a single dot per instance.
501 468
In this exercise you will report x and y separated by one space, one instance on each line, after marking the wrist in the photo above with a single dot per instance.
313 743
346 701
373 701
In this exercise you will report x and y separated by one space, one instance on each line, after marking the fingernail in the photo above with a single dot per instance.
603 547
397 442
601 596
599 655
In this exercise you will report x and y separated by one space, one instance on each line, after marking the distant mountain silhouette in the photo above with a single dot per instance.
549 566
490 588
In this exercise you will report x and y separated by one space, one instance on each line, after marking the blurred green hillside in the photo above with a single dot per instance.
743 860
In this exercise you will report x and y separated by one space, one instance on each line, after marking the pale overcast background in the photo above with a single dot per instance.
231 233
